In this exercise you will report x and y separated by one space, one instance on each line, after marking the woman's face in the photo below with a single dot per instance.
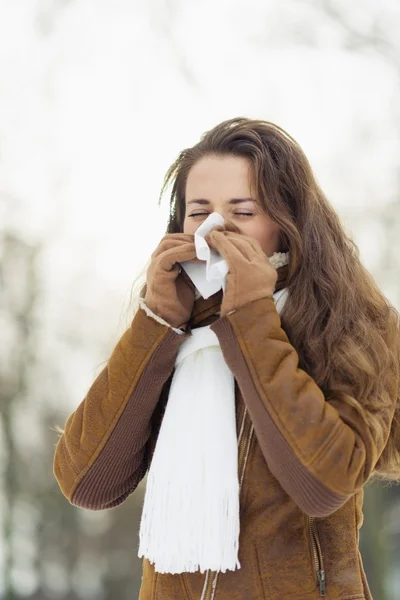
223 184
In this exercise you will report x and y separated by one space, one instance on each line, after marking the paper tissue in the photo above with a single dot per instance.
209 276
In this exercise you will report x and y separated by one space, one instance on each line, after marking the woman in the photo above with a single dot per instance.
316 386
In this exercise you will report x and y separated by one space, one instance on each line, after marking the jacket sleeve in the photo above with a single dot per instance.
320 451
102 454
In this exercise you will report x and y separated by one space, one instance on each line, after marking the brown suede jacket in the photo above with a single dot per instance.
303 460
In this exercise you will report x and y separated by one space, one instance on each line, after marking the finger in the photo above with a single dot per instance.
172 240
174 255
216 228
219 241
227 226
242 246
178 237
249 245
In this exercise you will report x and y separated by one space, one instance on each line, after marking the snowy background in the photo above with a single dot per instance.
96 101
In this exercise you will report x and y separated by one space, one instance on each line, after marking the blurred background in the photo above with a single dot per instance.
96 100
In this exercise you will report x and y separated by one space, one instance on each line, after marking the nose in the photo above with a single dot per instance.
230 226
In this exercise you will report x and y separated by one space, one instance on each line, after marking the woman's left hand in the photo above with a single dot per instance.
250 277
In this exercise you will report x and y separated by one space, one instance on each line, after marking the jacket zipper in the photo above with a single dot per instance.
317 555
244 441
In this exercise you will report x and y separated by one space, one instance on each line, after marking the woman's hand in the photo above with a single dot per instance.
170 293
250 277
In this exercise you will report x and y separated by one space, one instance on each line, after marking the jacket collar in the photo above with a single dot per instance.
204 309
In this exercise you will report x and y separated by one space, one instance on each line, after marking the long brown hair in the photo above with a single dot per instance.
345 331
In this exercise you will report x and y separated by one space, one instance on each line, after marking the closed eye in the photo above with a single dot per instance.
237 214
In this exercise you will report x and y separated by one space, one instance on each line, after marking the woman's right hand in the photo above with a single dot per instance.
170 293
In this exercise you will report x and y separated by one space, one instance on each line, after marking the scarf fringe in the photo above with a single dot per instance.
216 548
190 518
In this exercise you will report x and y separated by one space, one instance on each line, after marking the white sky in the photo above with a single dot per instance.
97 98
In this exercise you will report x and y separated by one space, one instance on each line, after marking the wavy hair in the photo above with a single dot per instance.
344 330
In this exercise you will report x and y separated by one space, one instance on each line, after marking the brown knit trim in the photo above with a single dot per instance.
282 277
204 308
123 461
312 496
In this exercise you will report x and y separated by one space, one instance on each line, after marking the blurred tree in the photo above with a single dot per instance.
375 541
18 297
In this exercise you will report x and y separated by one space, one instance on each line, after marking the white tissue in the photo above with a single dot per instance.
209 276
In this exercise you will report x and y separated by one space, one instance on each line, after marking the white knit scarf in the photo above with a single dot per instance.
190 518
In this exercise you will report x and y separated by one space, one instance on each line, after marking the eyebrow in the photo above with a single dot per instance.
203 201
